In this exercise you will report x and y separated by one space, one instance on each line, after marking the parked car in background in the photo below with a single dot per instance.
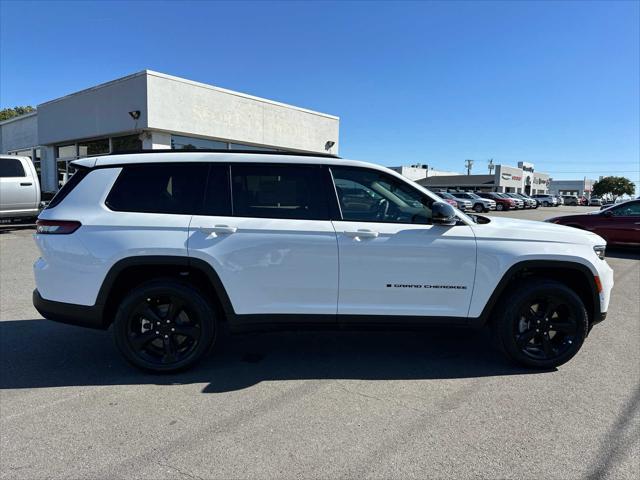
532 201
247 241
479 204
502 203
19 189
520 203
463 204
546 200
528 202
571 200
583 201
618 224
560 200
595 202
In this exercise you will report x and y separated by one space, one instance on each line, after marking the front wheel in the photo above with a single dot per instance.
543 325
164 326
478 208
545 204
499 207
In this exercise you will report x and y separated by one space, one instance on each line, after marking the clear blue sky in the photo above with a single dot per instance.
553 83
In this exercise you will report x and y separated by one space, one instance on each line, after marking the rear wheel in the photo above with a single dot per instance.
164 326
543 325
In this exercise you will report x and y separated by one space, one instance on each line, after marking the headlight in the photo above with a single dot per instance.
599 249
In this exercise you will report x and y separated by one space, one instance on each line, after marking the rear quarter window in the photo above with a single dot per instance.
159 188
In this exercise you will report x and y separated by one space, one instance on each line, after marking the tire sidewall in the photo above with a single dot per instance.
506 324
197 304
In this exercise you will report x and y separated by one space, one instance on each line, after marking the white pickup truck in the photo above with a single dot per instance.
19 189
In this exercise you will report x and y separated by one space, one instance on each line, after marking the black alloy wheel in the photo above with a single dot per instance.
545 328
164 326
544 324
499 207
478 208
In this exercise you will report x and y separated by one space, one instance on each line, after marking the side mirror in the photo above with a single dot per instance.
607 213
443 214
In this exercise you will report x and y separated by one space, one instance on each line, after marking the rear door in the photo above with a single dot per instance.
17 188
274 248
393 262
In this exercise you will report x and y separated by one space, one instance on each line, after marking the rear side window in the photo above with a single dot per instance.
10 167
279 191
159 188
66 189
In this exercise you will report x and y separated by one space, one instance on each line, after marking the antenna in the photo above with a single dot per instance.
469 164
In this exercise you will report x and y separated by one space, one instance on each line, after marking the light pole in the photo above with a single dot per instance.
491 166
469 164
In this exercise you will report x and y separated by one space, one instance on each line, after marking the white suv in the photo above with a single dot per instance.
165 247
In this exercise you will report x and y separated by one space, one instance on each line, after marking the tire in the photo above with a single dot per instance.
545 204
515 327
478 208
499 207
185 326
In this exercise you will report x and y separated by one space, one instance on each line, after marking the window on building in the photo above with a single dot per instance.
240 146
279 191
127 143
372 196
11 168
93 147
179 142
159 188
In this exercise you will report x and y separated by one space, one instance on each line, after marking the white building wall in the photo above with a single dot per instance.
19 133
192 108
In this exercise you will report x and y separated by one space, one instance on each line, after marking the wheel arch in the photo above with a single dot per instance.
575 275
129 272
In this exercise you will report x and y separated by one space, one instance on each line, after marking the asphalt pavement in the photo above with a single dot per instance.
435 404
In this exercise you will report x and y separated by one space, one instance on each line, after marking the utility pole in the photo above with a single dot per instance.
491 166
469 164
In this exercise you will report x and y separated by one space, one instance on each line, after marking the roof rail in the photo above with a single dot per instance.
219 150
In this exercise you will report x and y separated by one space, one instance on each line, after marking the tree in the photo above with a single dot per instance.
7 113
614 186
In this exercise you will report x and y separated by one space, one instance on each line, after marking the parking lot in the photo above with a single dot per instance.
434 404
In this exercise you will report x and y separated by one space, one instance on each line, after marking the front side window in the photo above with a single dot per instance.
159 188
279 191
372 196
11 168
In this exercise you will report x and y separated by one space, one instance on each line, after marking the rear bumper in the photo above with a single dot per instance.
80 315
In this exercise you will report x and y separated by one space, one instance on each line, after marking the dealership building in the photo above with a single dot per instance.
151 110
578 188
521 179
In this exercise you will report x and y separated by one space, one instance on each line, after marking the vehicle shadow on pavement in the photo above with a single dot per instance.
629 253
40 353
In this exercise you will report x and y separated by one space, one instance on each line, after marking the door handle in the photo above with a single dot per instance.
25 184
364 233
219 229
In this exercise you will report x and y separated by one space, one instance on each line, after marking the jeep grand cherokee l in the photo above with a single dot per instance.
163 248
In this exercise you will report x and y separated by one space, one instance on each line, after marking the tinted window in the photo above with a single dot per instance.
279 191
159 188
630 209
11 168
68 187
372 196
217 193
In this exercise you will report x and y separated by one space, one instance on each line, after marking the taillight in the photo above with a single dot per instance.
57 227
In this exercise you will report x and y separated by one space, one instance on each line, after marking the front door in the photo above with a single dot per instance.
392 261
17 191
274 248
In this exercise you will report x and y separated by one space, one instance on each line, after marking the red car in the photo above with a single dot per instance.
618 224
502 203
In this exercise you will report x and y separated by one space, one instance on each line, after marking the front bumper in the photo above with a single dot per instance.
80 315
